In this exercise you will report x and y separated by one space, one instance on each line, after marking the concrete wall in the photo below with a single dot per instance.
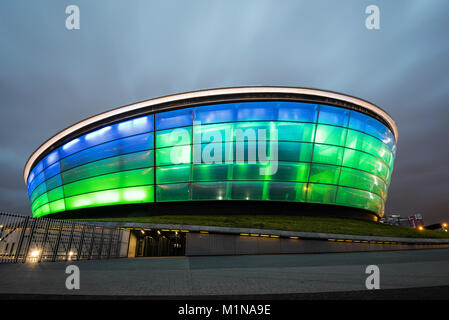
124 243
200 244
132 245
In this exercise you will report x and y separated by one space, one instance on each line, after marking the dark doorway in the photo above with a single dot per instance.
157 243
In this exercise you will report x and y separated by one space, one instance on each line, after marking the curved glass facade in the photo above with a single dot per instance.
272 150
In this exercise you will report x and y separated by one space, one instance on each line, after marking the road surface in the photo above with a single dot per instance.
271 276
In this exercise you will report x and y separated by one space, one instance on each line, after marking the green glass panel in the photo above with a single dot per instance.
283 171
55 194
359 199
209 191
366 162
137 194
173 155
248 171
249 131
324 174
218 153
170 174
211 172
391 163
242 131
131 161
42 199
328 154
54 182
42 211
288 131
290 172
388 178
140 194
123 179
363 180
174 137
246 190
287 191
330 135
173 192
40 190
294 151
364 142
213 133
57 206
321 193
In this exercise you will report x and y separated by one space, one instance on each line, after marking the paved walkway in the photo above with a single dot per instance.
232 275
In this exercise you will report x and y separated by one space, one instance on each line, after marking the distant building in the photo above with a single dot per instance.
413 221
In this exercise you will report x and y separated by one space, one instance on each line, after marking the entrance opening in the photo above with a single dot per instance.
157 243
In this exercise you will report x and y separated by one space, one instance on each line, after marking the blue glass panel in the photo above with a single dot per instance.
248 111
371 126
51 158
174 119
333 115
297 111
108 133
52 170
135 126
72 146
109 149
35 172
215 113
37 181
268 110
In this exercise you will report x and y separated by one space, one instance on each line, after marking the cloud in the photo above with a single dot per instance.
51 78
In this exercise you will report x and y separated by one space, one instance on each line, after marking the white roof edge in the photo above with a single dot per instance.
204 93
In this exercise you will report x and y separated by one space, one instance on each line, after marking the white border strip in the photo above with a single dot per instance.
198 94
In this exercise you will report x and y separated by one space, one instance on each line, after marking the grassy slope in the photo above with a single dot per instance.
291 223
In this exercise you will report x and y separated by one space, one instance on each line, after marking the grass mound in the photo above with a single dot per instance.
290 223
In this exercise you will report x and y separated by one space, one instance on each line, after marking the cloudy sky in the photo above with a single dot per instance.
128 51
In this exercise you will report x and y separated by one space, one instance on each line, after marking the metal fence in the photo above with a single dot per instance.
28 239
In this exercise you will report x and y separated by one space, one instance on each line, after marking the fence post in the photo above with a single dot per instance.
69 246
101 244
55 251
30 239
44 240
111 233
19 246
91 243
80 248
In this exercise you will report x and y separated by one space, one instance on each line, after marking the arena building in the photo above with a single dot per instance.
231 150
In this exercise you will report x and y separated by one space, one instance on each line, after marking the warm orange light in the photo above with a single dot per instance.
444 225
35 253
420 228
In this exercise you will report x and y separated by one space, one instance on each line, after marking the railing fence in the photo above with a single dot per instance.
28 239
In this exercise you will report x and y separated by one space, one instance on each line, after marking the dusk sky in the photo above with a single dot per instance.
127 51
